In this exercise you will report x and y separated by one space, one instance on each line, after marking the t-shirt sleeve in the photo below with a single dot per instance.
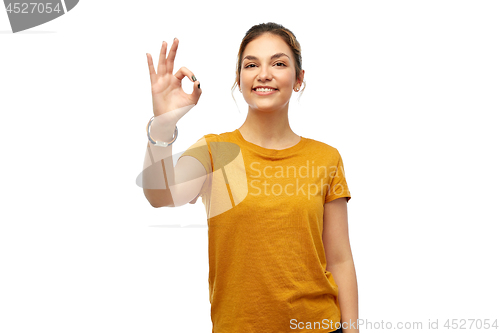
338 186
201 151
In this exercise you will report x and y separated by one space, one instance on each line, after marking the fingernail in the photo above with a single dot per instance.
194 78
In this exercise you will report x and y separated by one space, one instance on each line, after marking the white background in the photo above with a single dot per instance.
407 91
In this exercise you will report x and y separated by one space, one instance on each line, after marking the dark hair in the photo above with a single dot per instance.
275 29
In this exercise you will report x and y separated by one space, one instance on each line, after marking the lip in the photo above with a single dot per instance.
263 93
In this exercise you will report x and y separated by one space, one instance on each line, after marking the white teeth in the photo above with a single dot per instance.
264 89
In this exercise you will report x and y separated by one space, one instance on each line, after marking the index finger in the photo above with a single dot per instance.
171 56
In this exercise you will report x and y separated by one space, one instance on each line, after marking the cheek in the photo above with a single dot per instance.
245 80
287 78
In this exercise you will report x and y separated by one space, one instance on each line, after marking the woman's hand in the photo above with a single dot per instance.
167 89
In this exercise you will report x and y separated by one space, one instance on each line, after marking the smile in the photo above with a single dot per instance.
263 91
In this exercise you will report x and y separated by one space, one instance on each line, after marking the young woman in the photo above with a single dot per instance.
276 202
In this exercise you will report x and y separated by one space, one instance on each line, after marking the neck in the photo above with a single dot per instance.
269 129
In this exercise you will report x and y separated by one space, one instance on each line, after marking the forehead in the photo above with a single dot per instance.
266 45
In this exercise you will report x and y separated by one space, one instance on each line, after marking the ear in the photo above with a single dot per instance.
300 79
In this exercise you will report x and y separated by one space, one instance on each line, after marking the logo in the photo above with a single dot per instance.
28 14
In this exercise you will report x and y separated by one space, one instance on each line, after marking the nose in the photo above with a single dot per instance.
264 73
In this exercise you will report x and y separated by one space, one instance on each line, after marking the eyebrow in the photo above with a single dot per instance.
275 56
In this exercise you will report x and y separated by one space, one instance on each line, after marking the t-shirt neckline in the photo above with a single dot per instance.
269 151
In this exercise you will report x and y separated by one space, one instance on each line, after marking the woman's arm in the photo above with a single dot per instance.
339 261
164 185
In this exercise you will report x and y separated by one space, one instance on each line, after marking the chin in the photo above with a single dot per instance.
266 108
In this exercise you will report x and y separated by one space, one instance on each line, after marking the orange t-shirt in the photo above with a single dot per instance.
267 264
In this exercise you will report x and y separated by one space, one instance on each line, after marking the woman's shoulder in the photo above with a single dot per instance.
322 147
224 144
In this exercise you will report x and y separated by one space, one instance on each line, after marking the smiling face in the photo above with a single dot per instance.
268 62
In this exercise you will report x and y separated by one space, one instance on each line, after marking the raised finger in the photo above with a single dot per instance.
182 72
152 73
161 62
171 56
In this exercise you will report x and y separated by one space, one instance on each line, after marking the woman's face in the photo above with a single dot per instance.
268 61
